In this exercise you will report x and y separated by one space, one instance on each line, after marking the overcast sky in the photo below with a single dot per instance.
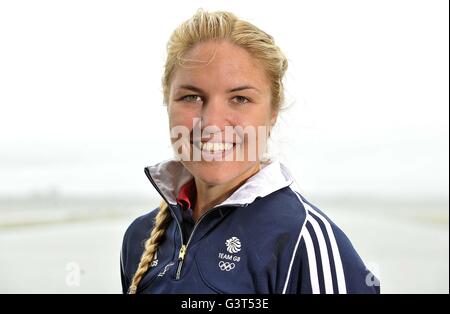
368 89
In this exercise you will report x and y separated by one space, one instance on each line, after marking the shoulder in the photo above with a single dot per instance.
141 224
135 236
139 230
333 264
282 206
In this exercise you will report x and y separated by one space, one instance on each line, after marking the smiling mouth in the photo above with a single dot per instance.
214 147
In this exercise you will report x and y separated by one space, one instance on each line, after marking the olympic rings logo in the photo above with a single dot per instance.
226 266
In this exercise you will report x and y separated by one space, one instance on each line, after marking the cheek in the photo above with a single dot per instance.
179 116
257 117
260 121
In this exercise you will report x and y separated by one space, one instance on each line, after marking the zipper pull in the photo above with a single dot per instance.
180 261
182 252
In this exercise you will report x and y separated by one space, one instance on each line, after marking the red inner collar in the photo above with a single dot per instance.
187 194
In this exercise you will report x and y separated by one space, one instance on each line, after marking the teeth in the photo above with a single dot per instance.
216 147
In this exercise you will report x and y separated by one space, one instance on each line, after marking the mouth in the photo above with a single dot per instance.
214 148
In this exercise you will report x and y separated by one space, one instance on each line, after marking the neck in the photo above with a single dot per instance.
209 195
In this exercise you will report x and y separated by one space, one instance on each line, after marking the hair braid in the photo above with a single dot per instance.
162 221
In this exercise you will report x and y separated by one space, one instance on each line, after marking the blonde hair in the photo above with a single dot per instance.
157 234
202 27
205 26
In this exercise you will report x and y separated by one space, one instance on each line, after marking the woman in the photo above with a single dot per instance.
229 221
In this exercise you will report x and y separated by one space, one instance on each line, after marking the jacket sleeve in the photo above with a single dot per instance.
326 262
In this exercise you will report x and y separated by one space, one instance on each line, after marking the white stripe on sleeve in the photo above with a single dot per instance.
313 275
342 289
323 255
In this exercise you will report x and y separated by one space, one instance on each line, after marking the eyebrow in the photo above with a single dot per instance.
243 87
231 90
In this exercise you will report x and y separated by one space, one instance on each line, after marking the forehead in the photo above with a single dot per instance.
219 64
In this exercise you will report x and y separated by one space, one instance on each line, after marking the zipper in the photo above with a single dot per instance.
183 248
180 261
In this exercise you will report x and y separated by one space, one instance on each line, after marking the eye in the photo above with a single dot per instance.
191 98
241 99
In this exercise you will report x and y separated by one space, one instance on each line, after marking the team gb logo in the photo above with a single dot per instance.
233 245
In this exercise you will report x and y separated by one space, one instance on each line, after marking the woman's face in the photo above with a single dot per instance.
220 102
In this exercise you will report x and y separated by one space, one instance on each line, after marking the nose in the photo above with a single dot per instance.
215 113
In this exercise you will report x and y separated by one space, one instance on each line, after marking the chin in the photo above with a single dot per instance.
216 173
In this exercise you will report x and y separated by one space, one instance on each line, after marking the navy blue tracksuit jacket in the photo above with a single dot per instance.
265 238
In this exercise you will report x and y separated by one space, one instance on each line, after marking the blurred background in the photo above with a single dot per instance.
364 132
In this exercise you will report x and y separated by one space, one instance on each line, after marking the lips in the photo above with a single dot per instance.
214 147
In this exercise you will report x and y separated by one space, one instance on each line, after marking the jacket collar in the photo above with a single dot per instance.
170 175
